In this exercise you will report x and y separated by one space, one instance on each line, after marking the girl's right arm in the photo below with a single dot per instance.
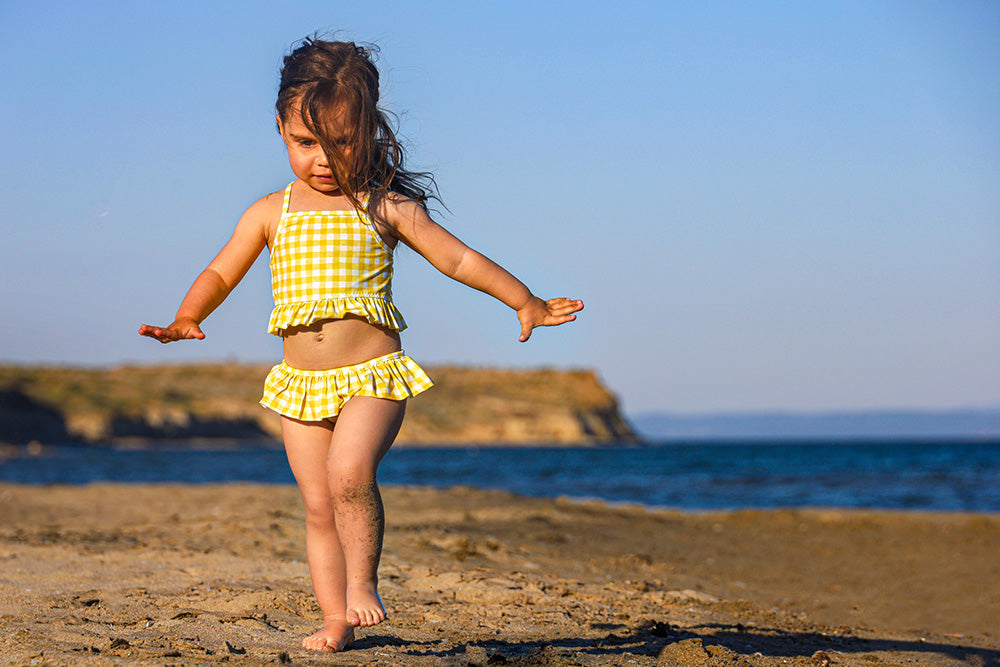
224 272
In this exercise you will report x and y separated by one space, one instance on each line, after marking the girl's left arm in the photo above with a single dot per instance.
411 224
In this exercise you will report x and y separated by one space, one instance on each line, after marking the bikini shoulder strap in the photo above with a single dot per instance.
287 199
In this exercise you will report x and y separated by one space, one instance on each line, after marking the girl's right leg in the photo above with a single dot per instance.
307 445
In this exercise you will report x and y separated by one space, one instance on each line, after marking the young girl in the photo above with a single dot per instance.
341 390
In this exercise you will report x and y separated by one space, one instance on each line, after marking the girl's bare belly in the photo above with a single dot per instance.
334 343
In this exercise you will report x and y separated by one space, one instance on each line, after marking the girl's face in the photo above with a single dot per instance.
305 155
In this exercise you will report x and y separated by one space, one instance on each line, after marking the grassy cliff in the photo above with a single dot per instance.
219 401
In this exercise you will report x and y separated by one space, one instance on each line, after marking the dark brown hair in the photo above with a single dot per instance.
320 79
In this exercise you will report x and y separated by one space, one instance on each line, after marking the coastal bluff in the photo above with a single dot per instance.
218 402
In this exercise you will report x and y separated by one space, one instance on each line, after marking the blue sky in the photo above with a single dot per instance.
766 205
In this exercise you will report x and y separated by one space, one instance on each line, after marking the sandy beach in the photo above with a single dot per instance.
197 575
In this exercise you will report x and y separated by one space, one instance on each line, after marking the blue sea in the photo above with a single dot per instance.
908 475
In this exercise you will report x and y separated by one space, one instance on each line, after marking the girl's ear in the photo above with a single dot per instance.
281 126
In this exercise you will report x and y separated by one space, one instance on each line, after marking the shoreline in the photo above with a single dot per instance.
36 447
203 574
937 478
583 501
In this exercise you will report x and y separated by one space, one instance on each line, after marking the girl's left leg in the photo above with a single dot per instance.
364 432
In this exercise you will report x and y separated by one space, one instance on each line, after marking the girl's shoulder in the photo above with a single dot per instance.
272 203
269 205
393 207
264 214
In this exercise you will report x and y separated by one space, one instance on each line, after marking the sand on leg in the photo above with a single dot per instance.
307 445
364 432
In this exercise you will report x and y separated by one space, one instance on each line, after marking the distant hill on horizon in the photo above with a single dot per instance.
889 424
203 401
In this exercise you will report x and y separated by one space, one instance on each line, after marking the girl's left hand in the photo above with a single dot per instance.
538 313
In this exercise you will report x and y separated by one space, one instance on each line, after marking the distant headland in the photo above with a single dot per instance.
138 405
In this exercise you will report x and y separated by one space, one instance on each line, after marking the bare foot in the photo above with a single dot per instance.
336 635
364 606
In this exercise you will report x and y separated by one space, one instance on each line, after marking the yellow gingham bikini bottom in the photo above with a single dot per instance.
318 395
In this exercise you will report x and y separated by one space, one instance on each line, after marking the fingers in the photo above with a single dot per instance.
556 320
563 306
162 335
561 311
169 334
556 311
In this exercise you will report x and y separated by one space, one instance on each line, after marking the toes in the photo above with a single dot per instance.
364 617
331 643
368 617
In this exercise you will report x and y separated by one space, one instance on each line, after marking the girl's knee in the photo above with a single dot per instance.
319 509
353 486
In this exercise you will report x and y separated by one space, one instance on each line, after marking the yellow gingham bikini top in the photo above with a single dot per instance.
327 264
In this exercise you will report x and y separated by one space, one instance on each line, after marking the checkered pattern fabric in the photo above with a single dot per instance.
327 264
318 395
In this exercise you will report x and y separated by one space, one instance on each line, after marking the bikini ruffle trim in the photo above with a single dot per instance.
376 310
317 395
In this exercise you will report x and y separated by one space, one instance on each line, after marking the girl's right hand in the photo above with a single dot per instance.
177 330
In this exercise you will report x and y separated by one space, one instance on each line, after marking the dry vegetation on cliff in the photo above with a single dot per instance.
186 401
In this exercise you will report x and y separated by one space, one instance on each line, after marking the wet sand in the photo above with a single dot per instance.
198 575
